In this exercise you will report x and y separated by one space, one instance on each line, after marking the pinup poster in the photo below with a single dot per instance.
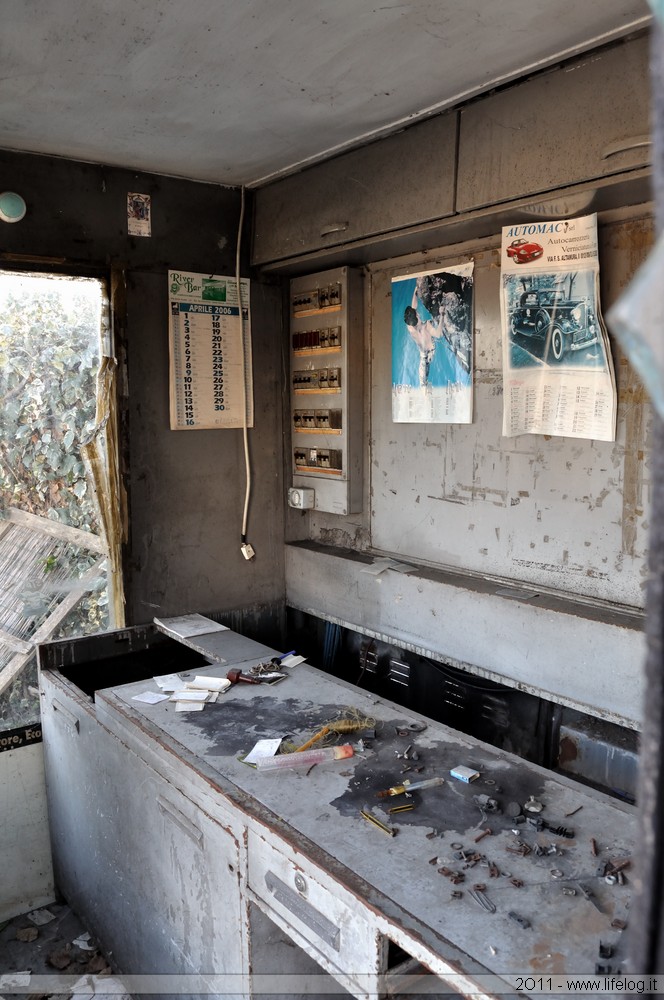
432 346
557 368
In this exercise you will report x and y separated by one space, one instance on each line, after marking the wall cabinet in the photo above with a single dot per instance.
587 120
392 183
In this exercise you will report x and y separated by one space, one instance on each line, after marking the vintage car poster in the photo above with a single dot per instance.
557 367
432 346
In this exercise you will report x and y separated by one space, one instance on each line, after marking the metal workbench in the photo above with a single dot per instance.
293 847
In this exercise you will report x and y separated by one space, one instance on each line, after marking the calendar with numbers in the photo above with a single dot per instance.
210 352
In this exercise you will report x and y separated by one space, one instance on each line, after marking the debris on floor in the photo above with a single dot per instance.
45 940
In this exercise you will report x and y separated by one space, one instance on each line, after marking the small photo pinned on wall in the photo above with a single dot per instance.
139 214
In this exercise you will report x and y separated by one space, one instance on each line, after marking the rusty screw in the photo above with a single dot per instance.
482 835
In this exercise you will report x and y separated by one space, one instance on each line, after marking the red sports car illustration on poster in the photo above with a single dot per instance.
522 252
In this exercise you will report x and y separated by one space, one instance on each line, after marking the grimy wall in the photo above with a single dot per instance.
185 489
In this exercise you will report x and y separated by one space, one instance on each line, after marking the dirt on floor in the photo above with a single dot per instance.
48 942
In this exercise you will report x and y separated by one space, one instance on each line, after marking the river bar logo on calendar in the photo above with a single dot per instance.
183 283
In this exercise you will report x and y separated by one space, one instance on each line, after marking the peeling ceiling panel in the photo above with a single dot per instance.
235 91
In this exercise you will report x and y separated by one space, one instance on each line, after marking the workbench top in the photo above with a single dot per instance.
555 928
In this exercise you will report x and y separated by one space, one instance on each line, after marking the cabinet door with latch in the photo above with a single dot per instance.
586 120
176 895
399 181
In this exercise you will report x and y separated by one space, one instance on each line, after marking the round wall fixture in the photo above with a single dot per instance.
12 207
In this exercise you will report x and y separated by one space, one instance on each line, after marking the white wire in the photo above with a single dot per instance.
245 434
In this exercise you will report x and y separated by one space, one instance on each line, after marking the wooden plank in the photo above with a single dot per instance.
13 641
46 629
84 539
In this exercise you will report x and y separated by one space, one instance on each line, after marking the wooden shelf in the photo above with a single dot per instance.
317 430
309 470
316 312
300 351
316 392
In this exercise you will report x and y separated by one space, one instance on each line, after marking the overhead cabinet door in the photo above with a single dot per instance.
585 121
396 182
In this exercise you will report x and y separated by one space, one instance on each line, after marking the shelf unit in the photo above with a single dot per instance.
326 365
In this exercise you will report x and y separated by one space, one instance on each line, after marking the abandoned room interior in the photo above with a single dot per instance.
331 519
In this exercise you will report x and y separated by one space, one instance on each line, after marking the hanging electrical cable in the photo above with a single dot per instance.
245 547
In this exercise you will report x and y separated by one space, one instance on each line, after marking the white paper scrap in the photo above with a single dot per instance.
201 683
40 917
168 682
150 697
187 625
184 695
83 942
264 748
379 566
292 661
189 706
15 980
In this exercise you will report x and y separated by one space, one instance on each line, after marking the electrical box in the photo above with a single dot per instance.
301 499
326 371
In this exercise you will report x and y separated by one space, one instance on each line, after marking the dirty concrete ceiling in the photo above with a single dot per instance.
236 91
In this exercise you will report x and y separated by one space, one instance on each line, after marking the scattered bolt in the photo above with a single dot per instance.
482 835
593 847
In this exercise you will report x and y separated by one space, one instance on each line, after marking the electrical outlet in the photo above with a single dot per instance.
247 550
301 497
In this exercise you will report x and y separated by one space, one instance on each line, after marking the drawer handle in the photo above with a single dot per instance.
167 808
69 719
303 910
334 227
623 145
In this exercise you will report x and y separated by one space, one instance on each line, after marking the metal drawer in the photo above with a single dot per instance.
328 923
587 120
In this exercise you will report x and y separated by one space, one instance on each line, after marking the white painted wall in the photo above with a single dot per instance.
27 873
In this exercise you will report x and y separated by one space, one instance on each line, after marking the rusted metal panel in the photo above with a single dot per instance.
578 654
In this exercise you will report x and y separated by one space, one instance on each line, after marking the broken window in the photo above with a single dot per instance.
59 486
